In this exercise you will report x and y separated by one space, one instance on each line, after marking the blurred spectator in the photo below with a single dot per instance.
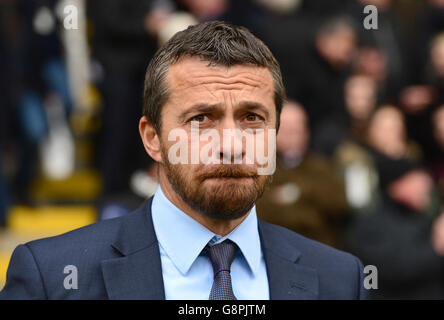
387 134
438 234
281 7
357 168
335 44
289 35
416 98
430 22
352 154
372 62
296 199
41 90
437 164
361 94
418 101
247 13
326 7
175 22
8 30
435 71
206 9
384 50
395 235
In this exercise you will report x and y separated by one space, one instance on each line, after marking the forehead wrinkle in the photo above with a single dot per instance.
191 71
212 88
193 77
219 84
189 80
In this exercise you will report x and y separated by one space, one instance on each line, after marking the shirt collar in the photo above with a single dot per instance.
183 238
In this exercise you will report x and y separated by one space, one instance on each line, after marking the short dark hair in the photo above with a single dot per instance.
217 42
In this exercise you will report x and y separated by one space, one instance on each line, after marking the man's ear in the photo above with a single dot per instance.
150 139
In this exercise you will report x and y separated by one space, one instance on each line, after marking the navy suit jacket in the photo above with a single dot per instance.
119 259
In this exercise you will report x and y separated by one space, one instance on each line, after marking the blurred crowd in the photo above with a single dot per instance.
360 151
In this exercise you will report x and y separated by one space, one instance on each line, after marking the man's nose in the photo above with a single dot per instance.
231 149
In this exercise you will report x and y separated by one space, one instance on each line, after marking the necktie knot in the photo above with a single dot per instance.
222 255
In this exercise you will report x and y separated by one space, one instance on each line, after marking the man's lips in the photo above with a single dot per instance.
229 178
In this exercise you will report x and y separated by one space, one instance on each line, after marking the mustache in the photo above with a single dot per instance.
229 171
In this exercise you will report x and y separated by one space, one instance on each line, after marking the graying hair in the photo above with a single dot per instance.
218 43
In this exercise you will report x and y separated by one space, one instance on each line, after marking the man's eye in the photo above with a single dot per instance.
252 117
199 118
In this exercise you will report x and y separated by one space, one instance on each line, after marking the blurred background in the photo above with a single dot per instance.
360 149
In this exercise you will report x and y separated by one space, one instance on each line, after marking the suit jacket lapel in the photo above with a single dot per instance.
137 273
288 280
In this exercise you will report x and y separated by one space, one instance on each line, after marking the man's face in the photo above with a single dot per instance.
216 98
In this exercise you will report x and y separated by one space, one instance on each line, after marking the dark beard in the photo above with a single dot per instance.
225 201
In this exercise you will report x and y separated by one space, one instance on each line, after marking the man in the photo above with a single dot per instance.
199 236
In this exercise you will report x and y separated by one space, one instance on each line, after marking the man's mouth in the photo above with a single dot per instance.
230 177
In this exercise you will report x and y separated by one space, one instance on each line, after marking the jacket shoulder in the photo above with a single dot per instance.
306 246
340 273
95 234
38 269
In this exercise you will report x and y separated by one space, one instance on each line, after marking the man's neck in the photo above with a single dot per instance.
218 226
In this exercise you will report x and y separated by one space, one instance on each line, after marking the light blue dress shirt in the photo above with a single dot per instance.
187 273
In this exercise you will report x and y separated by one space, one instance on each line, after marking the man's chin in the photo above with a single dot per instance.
226 201
226 210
